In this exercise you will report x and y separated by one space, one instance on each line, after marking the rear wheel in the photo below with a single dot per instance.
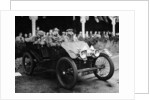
105 67
28 63
66 71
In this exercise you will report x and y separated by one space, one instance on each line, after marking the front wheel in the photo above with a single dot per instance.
66 71
105 67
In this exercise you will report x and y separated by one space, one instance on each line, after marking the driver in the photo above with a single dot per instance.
56 38
70 35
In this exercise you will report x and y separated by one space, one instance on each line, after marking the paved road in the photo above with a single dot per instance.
46 82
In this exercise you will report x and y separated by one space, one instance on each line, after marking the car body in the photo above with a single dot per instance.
69 59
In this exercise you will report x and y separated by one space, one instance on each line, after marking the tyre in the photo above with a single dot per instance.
28 63
66 71
104 63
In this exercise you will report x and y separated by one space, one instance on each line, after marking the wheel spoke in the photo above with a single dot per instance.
66 72
103 65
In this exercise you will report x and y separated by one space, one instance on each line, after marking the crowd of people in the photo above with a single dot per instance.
55 37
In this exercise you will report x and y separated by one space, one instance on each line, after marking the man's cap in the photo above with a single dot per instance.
56 29
69 30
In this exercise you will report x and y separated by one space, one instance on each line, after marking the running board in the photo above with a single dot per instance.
87 69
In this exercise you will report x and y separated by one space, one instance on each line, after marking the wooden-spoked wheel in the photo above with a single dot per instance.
105 67
66 71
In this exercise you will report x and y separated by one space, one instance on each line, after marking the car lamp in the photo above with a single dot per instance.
83 54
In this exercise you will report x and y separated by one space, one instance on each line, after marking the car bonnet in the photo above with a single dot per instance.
73 47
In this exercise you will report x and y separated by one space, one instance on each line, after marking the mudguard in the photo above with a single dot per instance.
106 51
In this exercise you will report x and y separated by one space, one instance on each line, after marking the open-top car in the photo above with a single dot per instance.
71 59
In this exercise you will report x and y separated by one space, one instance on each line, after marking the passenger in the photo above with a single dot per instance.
41 37
37 39
49 41
65 37
55 37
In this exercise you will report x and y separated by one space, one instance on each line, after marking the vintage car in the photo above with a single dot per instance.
71 59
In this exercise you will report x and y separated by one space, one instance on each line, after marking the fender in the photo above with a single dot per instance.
106 51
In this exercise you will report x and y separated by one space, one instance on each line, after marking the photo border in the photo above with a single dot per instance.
147 85
101 10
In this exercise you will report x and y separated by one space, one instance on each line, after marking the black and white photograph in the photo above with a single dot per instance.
66 54
91 49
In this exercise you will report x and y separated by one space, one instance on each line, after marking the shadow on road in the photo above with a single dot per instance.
46 82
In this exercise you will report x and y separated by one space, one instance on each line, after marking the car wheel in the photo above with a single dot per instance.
105 67
28 63
66 71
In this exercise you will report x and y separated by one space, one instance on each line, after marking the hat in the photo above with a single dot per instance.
56 29
40 33
69 30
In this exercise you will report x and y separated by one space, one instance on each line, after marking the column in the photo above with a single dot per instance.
113 21
33 19
83 20
113 28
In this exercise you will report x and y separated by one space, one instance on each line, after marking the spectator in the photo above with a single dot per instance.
95 33
87 34
25 35
109 34
99 34
91 34
30 35
38 28
75 38
80 36
20 38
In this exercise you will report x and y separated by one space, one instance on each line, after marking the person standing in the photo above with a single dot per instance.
20 38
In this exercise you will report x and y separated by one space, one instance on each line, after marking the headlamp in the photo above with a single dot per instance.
97 53
83 54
